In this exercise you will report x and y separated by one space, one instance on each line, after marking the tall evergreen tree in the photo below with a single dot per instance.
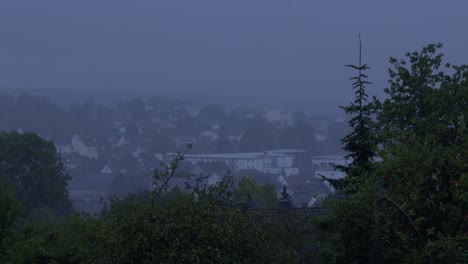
360 143
412 206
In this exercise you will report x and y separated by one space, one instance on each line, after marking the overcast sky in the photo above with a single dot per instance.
285 50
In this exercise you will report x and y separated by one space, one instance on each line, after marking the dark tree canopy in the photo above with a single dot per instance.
34 167
411 206
8 214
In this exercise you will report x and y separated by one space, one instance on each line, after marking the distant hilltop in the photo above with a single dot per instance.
312 105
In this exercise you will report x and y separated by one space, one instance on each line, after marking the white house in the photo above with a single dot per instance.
137 152
80 148
106 170
282 181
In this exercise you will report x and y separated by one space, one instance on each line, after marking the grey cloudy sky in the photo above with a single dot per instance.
283 50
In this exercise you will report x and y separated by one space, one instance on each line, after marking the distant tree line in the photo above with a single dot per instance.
157 122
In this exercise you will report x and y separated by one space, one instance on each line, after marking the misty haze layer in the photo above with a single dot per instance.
278 52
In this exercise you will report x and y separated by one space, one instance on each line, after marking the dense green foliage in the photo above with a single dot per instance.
361 142
250 194
157 227
33 166
177 231
412 207
8 214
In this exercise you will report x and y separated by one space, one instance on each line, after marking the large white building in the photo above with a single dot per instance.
272 162
284 163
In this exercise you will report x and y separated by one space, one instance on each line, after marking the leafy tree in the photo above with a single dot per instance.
169 233
8 214
150 228
33 166
423 98
411 207
424 170
72 241
250 194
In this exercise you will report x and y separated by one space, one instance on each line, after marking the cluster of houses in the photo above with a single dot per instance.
300 171
96 161
297 169
78 147
102 145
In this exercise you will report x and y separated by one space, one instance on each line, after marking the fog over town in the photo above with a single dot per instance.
267 120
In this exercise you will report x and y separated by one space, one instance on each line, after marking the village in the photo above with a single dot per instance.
115 150
125 160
